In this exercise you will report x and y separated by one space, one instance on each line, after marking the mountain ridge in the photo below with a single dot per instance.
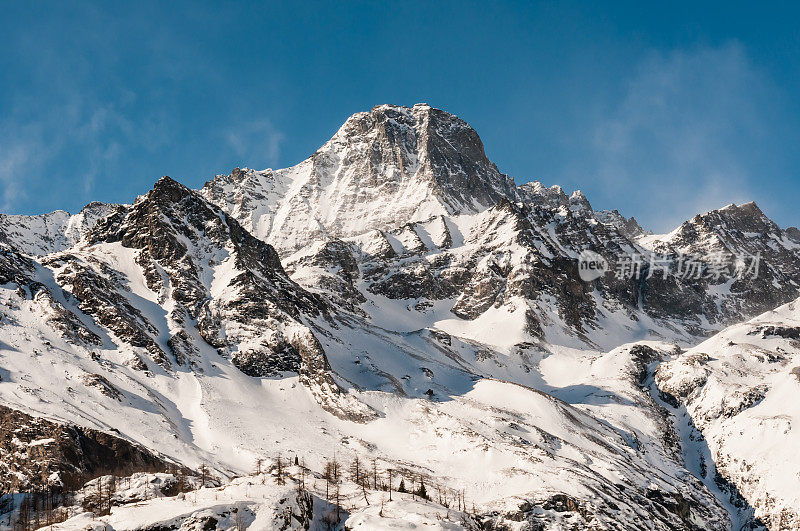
392 293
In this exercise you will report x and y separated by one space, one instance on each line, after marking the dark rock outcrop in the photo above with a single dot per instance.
47 455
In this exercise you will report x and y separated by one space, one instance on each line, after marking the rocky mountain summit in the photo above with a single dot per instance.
382 169
396 297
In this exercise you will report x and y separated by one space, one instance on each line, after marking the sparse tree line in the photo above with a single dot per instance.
376 484
37 509
48 505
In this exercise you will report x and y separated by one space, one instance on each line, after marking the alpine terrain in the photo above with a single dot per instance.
389 335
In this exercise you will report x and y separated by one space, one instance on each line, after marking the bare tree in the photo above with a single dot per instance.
359 477
302 473
337 470
364 482
203 475
100 500
111 489
355 471
279 470
23 522
338 504
327 473
332 474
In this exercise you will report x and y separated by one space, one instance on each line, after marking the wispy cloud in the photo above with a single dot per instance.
74 120
81 129
22 155
13 158
683 136
256 143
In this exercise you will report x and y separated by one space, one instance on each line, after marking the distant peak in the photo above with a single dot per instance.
168 183
166 180
745 210
94 205
389 106
746 218
751 208
168 189
578 201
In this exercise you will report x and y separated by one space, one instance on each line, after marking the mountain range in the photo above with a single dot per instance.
396 299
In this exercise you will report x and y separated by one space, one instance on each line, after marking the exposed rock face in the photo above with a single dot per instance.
562 511
741 231
22 273
628 227
382 169
182 240
36 453
98 296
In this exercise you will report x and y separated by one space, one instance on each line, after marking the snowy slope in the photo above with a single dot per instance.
253 502
417 400
740 388
531 445
47 233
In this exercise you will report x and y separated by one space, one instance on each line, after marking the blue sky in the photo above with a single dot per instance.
659 111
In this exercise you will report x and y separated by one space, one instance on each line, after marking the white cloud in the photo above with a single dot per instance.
13 158
80 128
256 143
686 133
22 153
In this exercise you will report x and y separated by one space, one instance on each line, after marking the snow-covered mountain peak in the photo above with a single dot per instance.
536 193
166 185
382 168
731 229
578 201
748 215
422 144
43 234
420 310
